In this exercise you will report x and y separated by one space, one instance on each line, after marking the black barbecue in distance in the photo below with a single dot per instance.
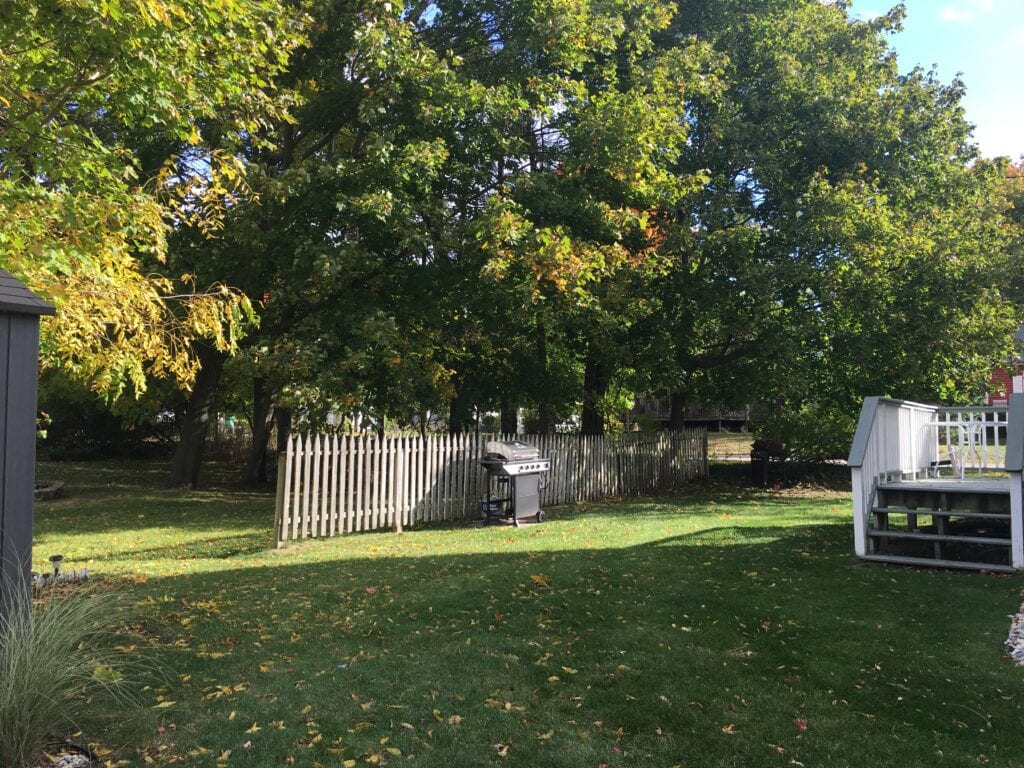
514 472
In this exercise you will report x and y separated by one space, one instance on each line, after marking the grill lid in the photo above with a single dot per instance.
510 450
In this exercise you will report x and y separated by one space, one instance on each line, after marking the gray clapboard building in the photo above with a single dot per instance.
20 310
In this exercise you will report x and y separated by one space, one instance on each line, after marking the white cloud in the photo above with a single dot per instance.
959 14
956 15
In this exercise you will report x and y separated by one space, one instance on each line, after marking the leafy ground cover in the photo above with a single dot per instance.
718 627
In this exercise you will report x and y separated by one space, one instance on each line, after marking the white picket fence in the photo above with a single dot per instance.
333 484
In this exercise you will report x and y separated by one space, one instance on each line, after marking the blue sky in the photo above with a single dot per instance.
984 41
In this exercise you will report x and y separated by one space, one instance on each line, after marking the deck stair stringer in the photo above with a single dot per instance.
935 521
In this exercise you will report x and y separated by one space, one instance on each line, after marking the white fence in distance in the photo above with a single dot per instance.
328 485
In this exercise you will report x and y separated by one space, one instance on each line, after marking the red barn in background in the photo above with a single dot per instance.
1002 383
1008 378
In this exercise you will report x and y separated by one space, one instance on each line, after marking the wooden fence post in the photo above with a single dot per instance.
20 310
279 502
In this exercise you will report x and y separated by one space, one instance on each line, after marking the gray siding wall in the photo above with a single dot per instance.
19 366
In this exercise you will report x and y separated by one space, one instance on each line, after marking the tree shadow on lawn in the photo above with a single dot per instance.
87 476
698 499
709 648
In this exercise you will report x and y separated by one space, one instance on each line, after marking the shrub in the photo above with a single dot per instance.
59 672
812 433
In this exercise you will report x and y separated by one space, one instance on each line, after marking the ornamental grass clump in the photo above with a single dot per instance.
59 670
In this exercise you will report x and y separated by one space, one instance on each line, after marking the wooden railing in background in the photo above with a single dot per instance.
328 485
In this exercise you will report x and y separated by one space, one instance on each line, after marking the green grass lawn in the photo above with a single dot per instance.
718 627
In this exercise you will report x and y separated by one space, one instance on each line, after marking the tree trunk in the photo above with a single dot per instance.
262 421
284 429
545 419
509 417
677 416
456 425
188 456
595 386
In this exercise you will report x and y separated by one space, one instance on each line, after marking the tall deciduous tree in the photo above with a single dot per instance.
841 227
84 213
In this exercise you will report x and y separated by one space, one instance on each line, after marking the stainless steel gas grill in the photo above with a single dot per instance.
514 472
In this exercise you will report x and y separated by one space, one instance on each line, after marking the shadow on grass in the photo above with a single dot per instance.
702 648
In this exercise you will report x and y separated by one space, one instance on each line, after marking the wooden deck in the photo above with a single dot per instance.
987 485
906 512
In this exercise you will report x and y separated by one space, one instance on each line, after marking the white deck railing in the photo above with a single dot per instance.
973 440
892 436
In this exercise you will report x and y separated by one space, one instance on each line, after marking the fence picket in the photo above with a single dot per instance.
417 480
350 475
404 474
378 472
430 479
340 487
361 459
327 479
283 499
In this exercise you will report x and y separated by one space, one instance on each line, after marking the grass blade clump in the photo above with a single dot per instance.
58 670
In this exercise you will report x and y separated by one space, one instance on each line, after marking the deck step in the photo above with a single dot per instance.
994 487
942 513
936 563
951 538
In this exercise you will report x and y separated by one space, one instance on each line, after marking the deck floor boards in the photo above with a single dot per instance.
997 485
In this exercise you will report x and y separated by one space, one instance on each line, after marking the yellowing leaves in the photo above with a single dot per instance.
506 706
222 691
